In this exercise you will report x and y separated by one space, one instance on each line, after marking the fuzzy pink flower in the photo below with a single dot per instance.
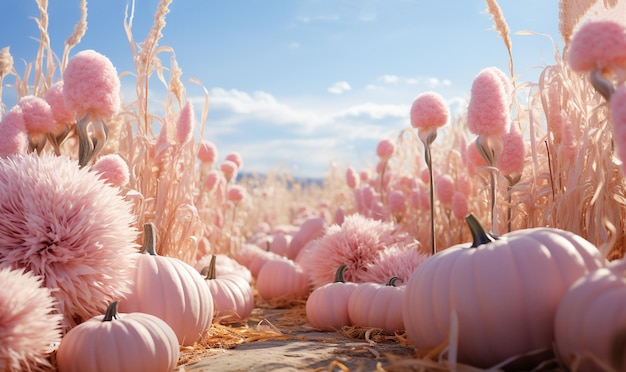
113 169
13 136
236 158
63 223
37 113
91 85
351 178
340 216
385 149
511 161
459 205
212 179
229 169
598 44
28 326
444 187
395 261
207 152
396 202
474 158
364 175
236 193
617 108
506 83
429 111
355 243
488 109
61 113
568 148
185 124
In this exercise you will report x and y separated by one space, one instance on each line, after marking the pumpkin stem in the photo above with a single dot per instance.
111 312
393 280
149 242
339 278
209 271
479 235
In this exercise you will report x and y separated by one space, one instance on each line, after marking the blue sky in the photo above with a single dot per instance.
299 84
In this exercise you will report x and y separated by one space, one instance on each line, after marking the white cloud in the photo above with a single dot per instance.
293 45
329 18
375 111
339 87
389 79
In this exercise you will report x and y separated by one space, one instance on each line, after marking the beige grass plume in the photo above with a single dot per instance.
503 29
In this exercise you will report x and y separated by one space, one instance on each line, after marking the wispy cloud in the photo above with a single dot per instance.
339 87
328 18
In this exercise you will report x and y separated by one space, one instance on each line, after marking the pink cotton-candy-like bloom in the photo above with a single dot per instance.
488 110
113 169
212 179
429 111
185 124
511 161
355 243
64 223
13 136
236 193
351 178
61 113
617 109
207 152
444 187
385 149
396 201
598 44
28 326
236 158
474 158
229 168
91 85
395 261
459 205
37 114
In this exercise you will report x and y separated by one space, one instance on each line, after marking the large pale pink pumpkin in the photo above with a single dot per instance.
281 278
171 290
374 305
233 299
590 323
119 342
504 292
327 306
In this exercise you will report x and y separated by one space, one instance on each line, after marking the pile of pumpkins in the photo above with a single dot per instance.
528 293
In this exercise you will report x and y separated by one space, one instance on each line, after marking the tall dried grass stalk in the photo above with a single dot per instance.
80 28
6 68
503 29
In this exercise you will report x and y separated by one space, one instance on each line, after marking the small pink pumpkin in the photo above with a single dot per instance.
504 292
310 229
232 295
171 290
281 278
374 305
590 322
119 342
327 306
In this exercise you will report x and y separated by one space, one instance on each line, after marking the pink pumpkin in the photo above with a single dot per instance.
119 342
504 292
327 306
279 244
590 323
232 295
374 305
171 290
310 229
282 278
225 265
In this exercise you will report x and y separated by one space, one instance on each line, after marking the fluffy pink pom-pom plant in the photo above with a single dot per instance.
29 326
13 136
599 48
429 111
91 89
64 223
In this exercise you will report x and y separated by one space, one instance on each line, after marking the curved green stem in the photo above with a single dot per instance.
111 312
149 241
339 274
479 235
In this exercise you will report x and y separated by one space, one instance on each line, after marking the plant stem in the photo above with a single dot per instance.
432 197
494 216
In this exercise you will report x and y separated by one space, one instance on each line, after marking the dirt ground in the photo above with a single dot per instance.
281 340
